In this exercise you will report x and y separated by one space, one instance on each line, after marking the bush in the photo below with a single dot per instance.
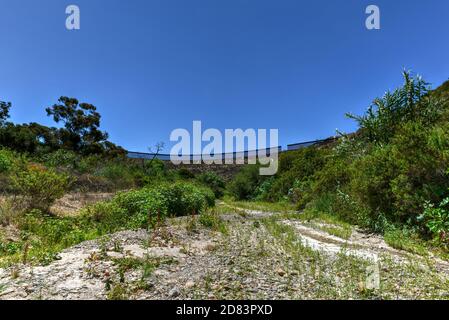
263 191
213 221
120 175
142 208
8 212
379 176
91 183
40 186
295 172
186 198
61 158
436 219
397 178
155 168
245 183
185 174
410 102
5 161
214 182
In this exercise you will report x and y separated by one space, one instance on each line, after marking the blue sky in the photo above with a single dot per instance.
151 66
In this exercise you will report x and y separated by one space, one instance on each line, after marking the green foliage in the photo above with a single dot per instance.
245 183
408 103
405 239
262 192
81 122
144 207
32 138
295 173
80 133
5 161
213 221
397 178
436 219
8 212
186 198
214 182
10 162
4 111
379 177
118 174
185 174
61 159
155 168
39 186
47 235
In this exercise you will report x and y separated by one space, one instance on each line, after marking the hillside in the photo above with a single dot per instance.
442 92
363 217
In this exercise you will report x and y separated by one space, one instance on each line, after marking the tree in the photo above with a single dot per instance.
4 111
156 151
81 121
30 138
411 102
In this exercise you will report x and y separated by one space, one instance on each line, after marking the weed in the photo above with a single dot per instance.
213 221
118 292
407 240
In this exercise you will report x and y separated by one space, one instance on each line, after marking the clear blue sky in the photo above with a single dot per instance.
151 66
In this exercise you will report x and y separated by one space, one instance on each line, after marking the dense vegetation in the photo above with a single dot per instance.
80 132
39 165
30 188
391 176
43 236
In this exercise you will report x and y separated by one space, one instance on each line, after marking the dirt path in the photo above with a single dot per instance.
261 256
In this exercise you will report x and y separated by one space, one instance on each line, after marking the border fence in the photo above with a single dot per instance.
234 155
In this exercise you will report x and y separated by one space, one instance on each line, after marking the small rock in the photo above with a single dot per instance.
215 287
211 296
174 293
280 272
115 255
190 284
161 273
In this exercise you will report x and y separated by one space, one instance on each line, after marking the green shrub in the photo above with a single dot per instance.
436 219
410 102
91 183
46 235
120 175
6 161
90 164
295 172
213 221
155 168
405 239
142 208
245 183
344 207
214 182
40 186
397 178
263 190
8 212
61 158
185 174
186 198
